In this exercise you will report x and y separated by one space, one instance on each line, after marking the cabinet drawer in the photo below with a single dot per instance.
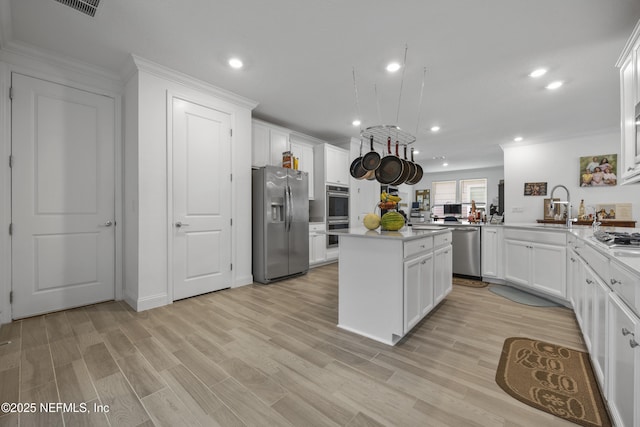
442 239
625 284
598 262
317 227
413 247
549 237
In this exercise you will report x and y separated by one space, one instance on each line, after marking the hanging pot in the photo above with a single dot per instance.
405 170
390 168
356 169
419 172
371 160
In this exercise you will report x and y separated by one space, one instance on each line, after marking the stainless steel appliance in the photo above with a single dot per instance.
465 242
280 223
337 211
618 240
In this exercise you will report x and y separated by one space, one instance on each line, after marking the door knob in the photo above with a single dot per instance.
181 224
108 223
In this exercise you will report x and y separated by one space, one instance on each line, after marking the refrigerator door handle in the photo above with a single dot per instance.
289 207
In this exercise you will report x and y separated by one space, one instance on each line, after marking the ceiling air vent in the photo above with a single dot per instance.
88 7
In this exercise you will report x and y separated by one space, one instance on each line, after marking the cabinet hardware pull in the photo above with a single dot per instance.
573 260
589 281
626 332
633 343
613 281
422 246
181 224
630 168
424 262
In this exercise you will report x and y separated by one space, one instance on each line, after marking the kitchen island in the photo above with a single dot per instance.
389 280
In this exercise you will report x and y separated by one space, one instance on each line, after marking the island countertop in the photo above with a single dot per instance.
405 233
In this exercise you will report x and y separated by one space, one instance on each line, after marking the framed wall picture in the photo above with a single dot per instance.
424 199
599 171
535 188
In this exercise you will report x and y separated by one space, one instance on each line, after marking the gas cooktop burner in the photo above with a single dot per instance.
617 239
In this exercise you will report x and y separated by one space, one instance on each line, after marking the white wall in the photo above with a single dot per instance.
493 176
557 163
147 179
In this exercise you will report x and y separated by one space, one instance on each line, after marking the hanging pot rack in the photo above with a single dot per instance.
381 133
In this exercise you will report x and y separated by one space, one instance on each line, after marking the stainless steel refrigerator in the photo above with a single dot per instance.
280 223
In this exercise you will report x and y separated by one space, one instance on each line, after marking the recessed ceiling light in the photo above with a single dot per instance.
539 72
445 164
435 128
416 152
554 85
235 63
356 122
518 139
393 67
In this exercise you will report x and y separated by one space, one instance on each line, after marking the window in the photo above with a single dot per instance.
443 192
473 189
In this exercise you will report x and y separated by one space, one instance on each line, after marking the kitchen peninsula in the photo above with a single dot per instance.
389 280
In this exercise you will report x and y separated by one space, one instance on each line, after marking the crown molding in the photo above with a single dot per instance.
629 45
186 80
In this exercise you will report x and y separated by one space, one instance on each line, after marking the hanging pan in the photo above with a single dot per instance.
416 179
391 167
371 160
410 165
356 169
405 168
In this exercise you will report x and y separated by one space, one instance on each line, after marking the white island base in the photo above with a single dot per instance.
388 281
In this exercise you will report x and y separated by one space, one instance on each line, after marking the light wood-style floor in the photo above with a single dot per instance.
270 356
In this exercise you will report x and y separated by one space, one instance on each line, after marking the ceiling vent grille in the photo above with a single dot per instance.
88 7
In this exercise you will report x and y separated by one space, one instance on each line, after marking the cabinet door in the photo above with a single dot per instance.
317 248
599 337
260 155
586 309
443 277
426 284
304 153
279 143
412 279
517 257
337 165
628 129
572 277
490 252
623 364
548 269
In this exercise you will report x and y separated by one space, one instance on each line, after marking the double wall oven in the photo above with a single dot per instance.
337 211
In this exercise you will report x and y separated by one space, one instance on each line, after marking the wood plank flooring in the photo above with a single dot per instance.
272 355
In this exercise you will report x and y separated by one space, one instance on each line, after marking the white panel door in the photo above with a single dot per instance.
63 197
201 199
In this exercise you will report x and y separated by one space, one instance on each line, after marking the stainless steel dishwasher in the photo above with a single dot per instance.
465 242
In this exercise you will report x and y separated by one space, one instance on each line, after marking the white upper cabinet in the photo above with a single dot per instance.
304 153
629 64
268 144
337 165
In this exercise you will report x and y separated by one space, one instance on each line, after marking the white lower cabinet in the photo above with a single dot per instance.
317 244
443 273
594 319
492 252
418 289
623 364
540 266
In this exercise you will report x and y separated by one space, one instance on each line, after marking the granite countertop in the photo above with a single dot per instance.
405 233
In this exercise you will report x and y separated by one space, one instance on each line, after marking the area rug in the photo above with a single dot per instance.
469 282
552 378
522 297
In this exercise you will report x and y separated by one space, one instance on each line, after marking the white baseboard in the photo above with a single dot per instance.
147 303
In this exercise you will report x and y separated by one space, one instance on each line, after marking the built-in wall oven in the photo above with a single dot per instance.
337 211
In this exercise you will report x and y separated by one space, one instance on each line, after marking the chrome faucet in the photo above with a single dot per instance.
569 221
